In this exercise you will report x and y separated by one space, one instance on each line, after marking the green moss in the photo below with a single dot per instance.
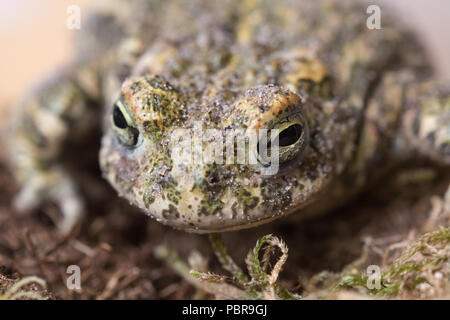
262 282
403 273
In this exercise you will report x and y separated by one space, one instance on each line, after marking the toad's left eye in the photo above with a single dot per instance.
290 135
123 125
293 137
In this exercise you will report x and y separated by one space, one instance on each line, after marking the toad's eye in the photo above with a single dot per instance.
290 135
118 118
123 124
293 137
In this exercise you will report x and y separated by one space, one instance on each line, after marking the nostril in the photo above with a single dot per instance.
214 180
290 135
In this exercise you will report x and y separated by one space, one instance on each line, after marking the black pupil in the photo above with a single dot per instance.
119 119
290 135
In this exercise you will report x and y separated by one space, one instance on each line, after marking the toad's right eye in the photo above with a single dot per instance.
123 124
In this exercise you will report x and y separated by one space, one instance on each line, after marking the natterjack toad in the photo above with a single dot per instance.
348 103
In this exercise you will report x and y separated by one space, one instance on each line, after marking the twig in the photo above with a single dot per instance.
182 269
225 259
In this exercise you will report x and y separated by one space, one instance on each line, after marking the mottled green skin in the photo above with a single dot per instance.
237 64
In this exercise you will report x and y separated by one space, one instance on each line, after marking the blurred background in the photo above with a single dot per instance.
35 39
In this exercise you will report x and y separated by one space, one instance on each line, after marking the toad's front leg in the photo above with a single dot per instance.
426 123
61 110
415 113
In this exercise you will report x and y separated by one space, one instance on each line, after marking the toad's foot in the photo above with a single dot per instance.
56 187
427 121
51 119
